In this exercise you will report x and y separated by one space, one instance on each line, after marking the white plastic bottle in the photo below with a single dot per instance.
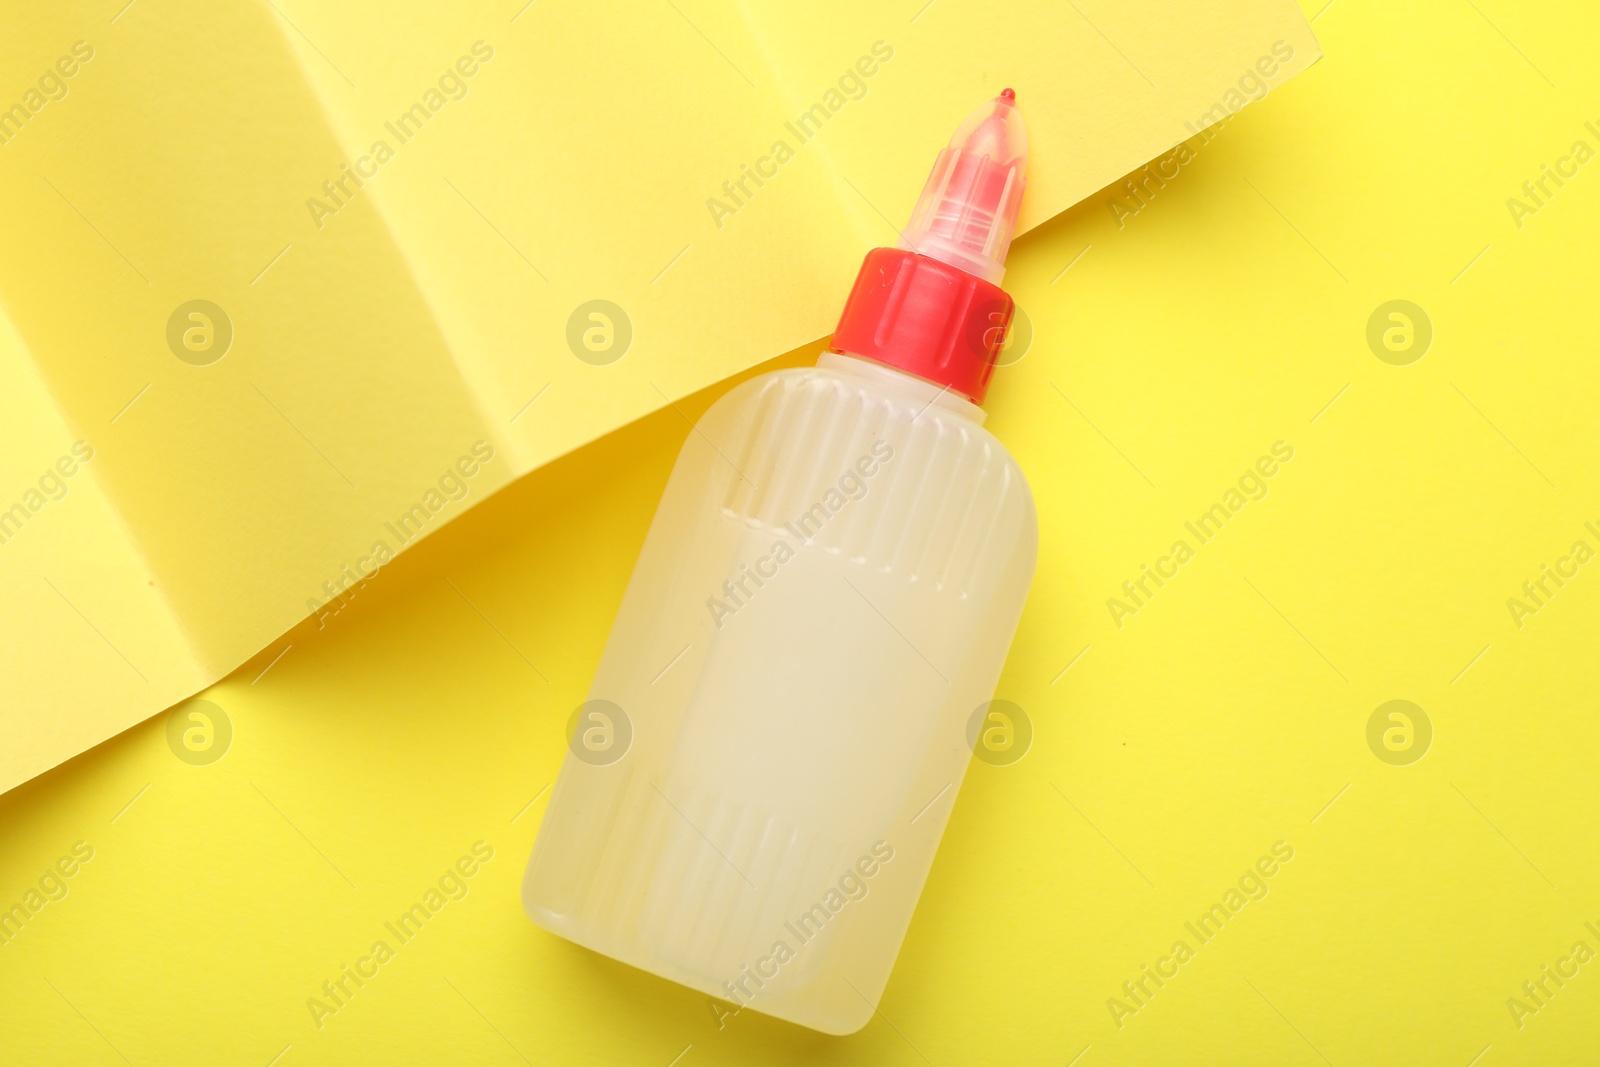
779 725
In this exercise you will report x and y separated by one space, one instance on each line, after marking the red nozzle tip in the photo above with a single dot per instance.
1008 95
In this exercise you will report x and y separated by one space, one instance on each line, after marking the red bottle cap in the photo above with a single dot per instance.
933 307
927 318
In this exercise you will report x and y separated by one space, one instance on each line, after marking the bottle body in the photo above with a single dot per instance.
777 730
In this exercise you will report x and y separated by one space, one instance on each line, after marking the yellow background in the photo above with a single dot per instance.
1228 714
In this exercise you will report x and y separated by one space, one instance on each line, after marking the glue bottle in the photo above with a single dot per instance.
782 717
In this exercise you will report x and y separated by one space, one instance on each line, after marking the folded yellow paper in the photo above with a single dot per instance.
290 286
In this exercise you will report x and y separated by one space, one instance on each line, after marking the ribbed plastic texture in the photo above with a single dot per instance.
967 213
826 595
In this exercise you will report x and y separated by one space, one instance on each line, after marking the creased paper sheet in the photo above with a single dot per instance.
288 285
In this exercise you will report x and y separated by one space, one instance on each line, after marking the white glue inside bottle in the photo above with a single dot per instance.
804 659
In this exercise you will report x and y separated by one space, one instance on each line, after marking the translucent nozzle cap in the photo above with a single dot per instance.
968 210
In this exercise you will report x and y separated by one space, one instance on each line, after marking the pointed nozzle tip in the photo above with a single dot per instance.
968 209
